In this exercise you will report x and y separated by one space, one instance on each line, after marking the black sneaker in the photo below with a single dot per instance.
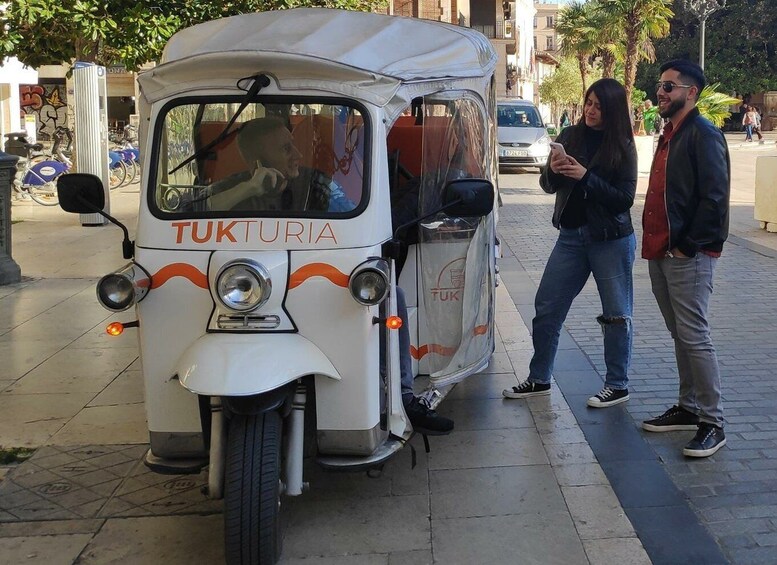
608 397
527 389
426 421
709 438
675 419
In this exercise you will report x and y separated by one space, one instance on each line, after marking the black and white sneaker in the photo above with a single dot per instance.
709 438
527 389
675 419
608 397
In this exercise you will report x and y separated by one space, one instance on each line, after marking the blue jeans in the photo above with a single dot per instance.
573 259
749 132
682 287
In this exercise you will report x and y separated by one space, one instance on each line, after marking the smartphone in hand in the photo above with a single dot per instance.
558 149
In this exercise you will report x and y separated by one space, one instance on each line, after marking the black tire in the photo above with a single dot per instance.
252 497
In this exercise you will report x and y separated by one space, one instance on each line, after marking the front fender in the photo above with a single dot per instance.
246 364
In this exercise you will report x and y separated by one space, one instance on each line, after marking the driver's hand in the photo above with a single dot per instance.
268 181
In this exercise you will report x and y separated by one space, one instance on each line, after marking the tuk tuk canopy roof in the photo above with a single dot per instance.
359 54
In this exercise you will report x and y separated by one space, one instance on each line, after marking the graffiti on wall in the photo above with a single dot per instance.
47 102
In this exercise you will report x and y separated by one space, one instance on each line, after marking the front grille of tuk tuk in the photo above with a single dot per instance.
247 322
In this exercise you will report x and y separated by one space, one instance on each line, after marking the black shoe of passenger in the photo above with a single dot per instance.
673 420
426 421
527 389
608 397
709 438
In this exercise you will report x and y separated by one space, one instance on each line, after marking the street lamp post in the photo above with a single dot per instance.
703 9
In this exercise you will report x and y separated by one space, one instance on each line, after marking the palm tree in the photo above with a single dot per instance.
643 21
606 32
577 40
714 105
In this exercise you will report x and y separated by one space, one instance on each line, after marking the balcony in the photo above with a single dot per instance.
494 31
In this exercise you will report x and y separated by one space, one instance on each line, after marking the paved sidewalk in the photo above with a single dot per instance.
515 483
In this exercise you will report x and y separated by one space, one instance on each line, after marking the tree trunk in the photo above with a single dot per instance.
608 65
630 65
582 64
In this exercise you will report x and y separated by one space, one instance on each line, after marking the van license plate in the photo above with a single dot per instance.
516 153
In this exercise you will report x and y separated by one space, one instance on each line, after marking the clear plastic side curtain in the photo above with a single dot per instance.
456 252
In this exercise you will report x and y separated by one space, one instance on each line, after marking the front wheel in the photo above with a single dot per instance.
45 194
252 493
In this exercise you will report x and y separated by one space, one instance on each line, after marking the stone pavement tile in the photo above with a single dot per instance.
5 383
482 385
488 448
126 388
417 557
495 491
51 550
486 414
548 422
597 513
580 474
618 551
105 425
562 436
570 453
21 355
356 526
172 540
500 363
29 420
49 528
520 359
71 371
364 559
545 539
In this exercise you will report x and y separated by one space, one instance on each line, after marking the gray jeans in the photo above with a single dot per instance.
682 287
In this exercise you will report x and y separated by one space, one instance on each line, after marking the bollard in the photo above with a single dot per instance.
9 270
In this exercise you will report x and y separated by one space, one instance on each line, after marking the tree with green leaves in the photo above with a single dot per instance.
578 38
643 21
563 88
126 32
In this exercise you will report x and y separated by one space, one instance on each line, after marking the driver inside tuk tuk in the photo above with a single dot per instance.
276 180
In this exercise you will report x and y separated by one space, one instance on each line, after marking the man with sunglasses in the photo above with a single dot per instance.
685 223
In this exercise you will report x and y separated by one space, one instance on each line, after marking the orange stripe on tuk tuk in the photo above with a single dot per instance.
190 272
420 352
318 270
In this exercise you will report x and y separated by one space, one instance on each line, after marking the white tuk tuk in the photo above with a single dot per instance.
260 297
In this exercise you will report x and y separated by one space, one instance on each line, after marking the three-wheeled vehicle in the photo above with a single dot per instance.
277 147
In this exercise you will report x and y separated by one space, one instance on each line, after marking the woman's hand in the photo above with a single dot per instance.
557 160
569 167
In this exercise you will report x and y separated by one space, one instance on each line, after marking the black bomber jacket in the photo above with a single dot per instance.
608 197
698 186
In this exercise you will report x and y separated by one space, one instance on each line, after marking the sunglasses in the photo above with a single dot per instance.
669 86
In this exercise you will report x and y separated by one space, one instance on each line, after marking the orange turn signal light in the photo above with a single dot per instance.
393 322
115 328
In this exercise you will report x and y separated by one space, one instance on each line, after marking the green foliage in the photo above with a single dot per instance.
14 454
740 46
715 105
565 86
637 97
128 32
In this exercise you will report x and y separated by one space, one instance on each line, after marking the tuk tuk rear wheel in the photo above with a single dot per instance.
252 530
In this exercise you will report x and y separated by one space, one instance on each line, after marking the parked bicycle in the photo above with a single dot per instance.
36 172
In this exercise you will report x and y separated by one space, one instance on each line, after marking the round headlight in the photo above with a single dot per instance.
116 292
243 286
369 284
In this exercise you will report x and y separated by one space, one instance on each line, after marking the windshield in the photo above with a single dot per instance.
510 116
292 159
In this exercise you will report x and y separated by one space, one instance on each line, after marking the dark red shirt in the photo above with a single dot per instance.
655 219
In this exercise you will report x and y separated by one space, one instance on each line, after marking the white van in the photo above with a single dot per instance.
523 139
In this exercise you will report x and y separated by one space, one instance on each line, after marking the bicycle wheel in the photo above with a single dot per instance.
45 194
118 175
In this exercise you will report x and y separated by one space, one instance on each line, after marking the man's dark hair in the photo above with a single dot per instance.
690 72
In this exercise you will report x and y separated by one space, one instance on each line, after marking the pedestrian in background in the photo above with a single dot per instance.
594 182
685 222
757 123
748 121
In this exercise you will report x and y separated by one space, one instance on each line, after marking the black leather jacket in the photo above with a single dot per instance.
608 197
698 186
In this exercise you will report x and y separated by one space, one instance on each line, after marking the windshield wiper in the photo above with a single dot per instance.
260 81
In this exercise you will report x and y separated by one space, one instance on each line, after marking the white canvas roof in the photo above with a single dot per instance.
359 54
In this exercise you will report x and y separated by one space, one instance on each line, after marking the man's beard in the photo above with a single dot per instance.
674 107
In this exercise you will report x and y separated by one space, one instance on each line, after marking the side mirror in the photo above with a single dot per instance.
468 197
80 193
